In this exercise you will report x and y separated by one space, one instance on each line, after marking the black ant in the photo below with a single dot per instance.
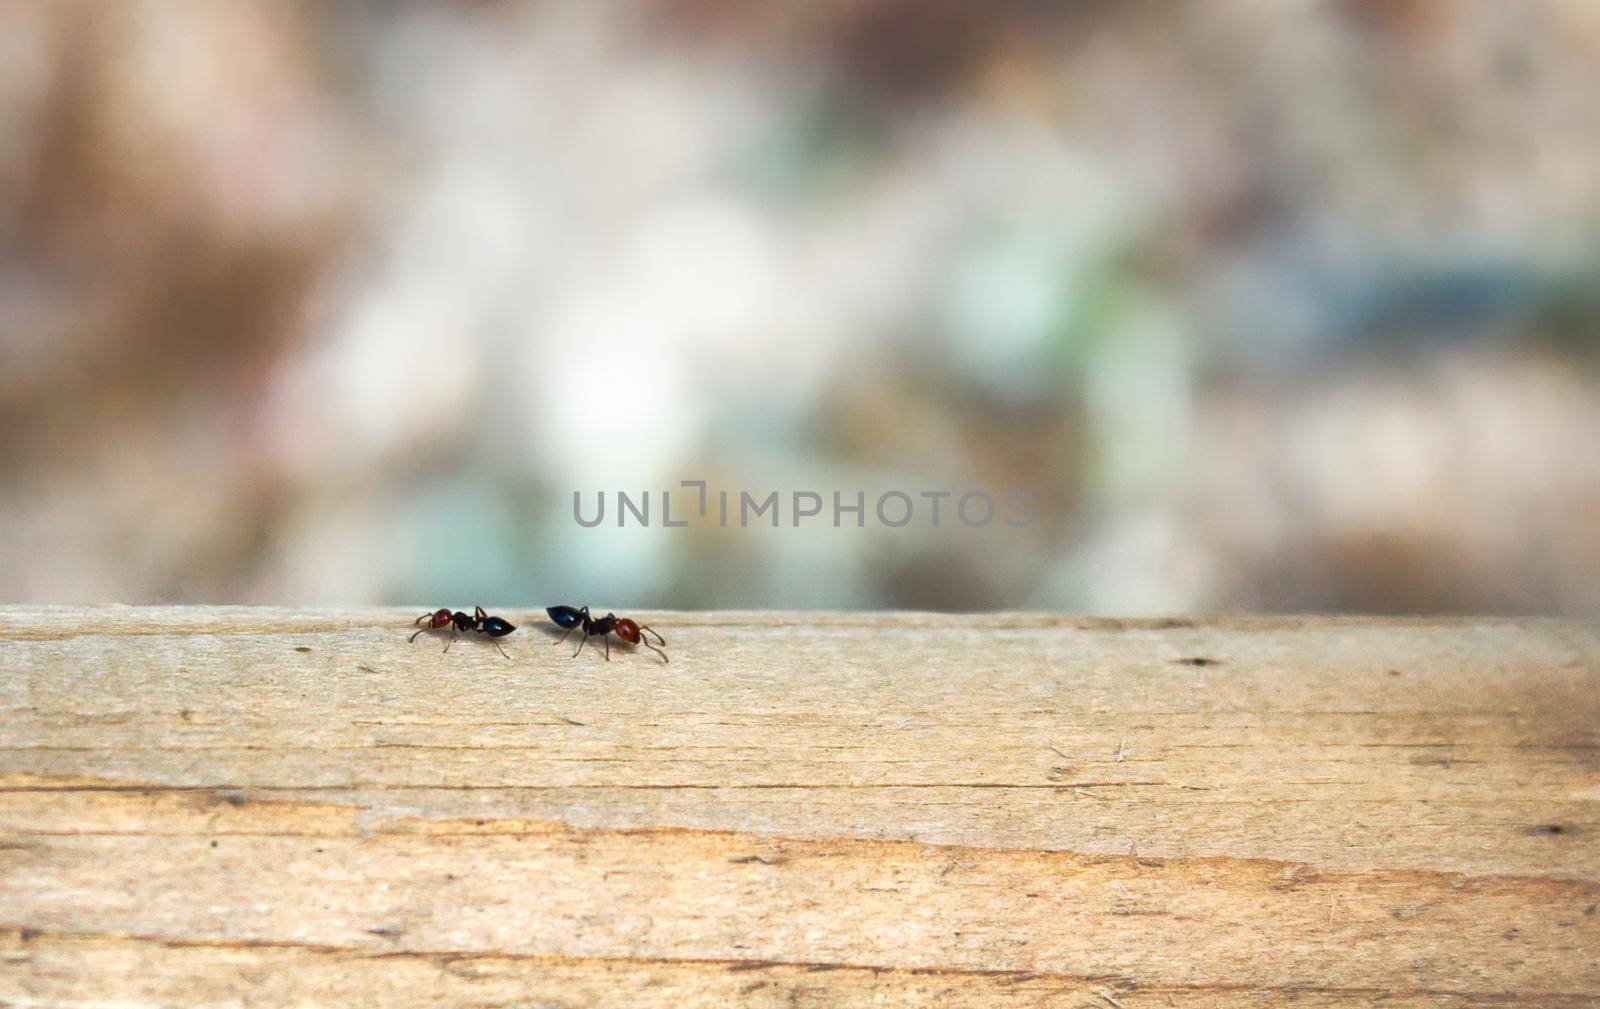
630 631
459 622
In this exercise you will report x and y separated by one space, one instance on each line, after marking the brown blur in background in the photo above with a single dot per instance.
1270 305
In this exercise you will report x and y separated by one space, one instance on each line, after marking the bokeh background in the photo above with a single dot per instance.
1271 305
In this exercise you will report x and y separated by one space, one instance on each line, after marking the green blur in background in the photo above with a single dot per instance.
1268 306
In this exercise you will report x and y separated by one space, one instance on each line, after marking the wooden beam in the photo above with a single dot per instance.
205 805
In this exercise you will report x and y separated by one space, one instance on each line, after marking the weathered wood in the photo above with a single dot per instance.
208 806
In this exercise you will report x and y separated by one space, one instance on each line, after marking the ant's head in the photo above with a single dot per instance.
566 616
634 633
439 618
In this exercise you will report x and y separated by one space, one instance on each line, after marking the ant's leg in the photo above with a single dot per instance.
567 635
479 615
606 637
497 645
452 640
581 643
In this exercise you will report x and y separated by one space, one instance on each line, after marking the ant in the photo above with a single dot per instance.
458 622
630 631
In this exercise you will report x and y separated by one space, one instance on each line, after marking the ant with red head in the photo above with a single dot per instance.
631 631
459 623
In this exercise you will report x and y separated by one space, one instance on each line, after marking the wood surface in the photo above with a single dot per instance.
272 807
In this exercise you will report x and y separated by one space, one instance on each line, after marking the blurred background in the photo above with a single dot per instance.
1269 305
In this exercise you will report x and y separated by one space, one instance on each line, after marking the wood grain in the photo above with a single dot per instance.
225 806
